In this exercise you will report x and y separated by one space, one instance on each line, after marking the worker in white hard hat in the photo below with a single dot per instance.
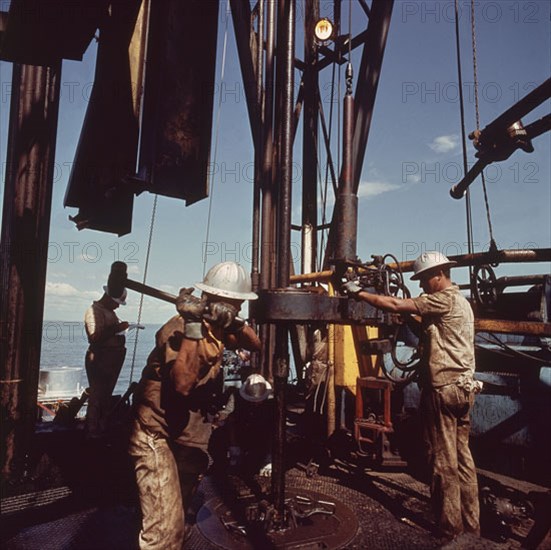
104 358
448 395
244 442
174 402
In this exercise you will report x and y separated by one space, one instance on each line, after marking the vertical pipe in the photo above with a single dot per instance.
268 150
310 139
347 202
258 156
285 82
23 255
258 167
267 244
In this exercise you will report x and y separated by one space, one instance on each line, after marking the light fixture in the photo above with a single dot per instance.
323 30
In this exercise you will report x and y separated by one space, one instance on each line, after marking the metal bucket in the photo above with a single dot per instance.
60 382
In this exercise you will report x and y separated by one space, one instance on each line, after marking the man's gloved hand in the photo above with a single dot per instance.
266 471
234 453
191 309
221 314
352 288
189 306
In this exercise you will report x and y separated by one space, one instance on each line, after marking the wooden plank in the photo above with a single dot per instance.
513 327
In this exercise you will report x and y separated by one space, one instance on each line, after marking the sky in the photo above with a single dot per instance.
413 157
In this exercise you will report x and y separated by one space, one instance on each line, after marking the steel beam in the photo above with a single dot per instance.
241 16
480 258
368 79
24 254
301 306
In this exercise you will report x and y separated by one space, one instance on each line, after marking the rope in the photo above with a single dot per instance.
475 72
324 189
140 307
463 138
217 133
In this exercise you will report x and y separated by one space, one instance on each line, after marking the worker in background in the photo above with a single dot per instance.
173 404
243 443
448 393
104 358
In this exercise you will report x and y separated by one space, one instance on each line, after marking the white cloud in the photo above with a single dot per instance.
374 188
61 289
65 290
57 275
444 144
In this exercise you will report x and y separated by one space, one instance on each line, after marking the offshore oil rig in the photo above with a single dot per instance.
344 455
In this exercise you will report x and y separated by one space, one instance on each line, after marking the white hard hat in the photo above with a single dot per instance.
429 260
229 280
121 300
255 388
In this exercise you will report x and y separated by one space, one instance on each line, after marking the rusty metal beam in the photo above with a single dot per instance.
338 55
178 98
3 22
303 306
480 258
502 326
247 47
368 79
107 149
24 254
42 33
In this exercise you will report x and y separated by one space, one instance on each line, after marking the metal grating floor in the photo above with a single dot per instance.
392 509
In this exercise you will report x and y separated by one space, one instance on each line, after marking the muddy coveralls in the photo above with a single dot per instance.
171 433
446 400
104 361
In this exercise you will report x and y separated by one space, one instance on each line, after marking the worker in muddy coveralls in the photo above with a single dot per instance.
448 394
104 358
174 402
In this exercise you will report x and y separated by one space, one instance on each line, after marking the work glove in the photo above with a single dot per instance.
191 309
266 471
234 453
221 314
351 288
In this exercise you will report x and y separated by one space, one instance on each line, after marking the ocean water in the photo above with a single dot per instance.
64 344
